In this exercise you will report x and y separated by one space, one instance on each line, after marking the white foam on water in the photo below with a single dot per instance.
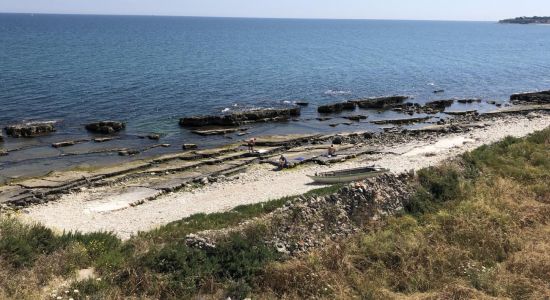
337 92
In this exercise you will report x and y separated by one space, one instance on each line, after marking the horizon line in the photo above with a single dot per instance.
237 17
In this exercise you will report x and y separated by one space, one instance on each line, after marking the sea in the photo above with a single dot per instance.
150 71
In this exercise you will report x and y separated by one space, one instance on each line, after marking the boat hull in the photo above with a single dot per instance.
345 178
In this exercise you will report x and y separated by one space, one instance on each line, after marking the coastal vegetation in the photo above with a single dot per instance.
475 227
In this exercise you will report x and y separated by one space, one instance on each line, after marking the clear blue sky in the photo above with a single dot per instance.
338 9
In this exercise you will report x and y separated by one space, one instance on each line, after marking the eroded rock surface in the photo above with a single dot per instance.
533 98
336 107
30 129
381 102
240 118
106 127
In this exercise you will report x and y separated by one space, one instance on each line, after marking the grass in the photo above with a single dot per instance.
161 256
477 227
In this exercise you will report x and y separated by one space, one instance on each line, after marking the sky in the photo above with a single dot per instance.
477 10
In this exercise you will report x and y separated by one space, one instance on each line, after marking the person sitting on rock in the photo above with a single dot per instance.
283 162
251 143
331 150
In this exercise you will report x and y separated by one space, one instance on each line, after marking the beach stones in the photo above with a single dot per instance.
105 127
31 129
240 118
536 97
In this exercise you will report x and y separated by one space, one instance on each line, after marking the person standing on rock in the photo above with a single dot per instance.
251 143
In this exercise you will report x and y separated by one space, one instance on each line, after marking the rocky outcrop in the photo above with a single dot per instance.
31 129
381 102
439 105
336 107
105 127
432 107
532 98
240 118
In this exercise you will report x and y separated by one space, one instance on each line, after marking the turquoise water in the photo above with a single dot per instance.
150 71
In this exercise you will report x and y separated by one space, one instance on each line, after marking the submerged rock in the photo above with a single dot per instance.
154 137
401 121
217 131
103 139
302 103
535 97
128 152
355 117
468 101
105 127
189 146
64 144
239 118
31 129
380 103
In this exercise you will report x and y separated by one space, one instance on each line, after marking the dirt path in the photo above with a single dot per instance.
77 212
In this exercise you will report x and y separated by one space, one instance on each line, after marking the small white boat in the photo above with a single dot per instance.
349 175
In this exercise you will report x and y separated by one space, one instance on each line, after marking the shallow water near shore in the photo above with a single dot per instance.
150 71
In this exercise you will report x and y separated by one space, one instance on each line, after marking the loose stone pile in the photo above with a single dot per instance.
308 222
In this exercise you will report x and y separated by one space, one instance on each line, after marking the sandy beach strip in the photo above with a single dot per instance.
259 184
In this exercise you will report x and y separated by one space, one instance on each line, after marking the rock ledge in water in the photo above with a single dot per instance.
30 129
535 97
105 127
380 102
240 118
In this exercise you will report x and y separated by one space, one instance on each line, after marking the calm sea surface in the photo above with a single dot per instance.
150 71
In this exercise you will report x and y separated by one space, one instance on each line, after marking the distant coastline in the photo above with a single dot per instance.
526 20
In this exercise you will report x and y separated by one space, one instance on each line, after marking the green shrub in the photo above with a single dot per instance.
21 244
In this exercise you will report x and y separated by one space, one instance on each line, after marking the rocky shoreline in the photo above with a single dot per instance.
212 163
143 195
179 170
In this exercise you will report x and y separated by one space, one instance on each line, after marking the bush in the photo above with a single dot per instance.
21 244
